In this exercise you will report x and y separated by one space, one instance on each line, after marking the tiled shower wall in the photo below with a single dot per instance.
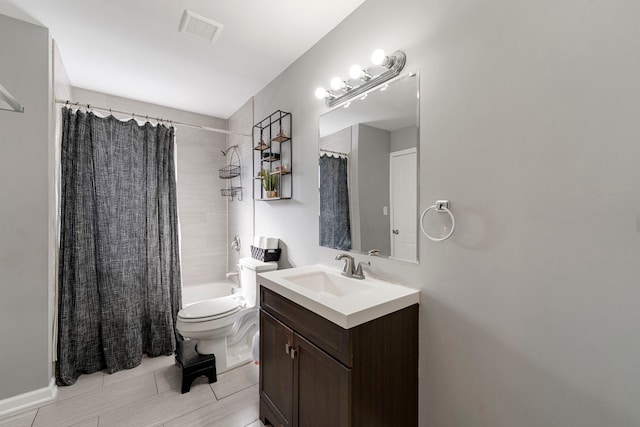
241 212
202 209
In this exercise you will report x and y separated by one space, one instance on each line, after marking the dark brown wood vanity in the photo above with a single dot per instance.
314 373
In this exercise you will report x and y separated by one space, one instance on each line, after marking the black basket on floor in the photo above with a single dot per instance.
265 254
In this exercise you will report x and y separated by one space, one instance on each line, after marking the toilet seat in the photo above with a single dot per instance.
227 326
211 309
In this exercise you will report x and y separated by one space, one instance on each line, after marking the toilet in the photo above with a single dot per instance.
226 326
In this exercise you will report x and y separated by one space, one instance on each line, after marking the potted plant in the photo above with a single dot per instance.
269 183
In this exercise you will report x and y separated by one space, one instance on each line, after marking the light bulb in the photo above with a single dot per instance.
337 83
355 72
378 57
321 93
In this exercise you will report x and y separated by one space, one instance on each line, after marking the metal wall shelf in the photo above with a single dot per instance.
272 149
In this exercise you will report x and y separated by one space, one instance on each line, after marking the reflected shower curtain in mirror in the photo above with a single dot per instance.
119 271
335 227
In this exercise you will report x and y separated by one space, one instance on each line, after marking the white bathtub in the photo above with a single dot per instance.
195 293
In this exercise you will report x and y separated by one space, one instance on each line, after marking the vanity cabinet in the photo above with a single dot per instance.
315 373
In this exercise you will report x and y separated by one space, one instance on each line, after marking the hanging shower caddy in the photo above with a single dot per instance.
232 172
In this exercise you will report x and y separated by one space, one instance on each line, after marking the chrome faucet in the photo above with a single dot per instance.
349 270
348 264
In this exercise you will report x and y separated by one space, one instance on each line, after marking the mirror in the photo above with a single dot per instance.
368 172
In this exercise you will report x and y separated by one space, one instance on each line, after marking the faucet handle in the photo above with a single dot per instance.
358 273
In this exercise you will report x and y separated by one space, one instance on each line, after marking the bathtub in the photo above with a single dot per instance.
195 293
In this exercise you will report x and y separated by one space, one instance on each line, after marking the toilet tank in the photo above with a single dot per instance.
249 268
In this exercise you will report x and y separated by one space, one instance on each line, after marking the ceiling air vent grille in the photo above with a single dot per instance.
200 27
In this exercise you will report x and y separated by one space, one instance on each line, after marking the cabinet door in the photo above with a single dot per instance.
276 369
322 388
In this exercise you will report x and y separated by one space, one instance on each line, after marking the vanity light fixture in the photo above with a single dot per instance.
356 72
338 84
384 67
322 93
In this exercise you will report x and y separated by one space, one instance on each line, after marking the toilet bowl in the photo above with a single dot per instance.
226 326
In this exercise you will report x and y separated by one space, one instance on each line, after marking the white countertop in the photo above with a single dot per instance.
379 299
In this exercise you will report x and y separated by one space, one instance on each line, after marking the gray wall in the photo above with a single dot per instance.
404 138
202 209
373 147
529 125
241 211
24 210
339 141
61 90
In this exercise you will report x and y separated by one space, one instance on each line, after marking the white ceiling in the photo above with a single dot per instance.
132 48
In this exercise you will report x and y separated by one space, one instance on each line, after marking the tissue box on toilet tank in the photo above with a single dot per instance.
265 254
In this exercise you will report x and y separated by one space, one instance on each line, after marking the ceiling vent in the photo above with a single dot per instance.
200 27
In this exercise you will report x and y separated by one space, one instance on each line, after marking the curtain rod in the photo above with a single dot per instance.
334 152
128 113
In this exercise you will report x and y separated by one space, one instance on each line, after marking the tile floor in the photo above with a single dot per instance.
149 395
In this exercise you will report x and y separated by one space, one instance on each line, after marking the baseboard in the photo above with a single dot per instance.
29 400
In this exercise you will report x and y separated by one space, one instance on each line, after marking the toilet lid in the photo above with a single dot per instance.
216 307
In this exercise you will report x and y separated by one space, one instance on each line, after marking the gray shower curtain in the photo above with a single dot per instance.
335 227
119 270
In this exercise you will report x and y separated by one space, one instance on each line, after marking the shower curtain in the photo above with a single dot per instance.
335 227
119 270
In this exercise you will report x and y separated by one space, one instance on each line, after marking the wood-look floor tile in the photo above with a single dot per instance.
148 364
87 406
22 420
85 384
170 378
149 395
235 380
156 410
236 410
93 422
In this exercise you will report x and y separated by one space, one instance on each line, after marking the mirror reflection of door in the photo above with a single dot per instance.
403 188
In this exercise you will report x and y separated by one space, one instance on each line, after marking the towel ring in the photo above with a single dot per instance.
440 206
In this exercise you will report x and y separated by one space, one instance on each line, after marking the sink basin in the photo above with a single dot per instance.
323 283
347 302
